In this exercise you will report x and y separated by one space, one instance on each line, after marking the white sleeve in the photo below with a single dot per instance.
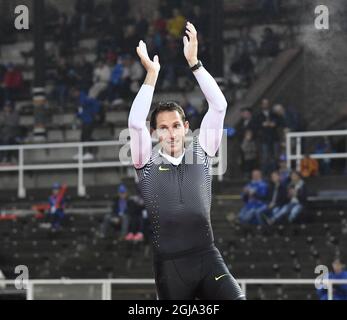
140 137
211 129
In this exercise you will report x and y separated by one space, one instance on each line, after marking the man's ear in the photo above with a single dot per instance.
186 127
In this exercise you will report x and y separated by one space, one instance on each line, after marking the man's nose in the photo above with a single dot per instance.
172 133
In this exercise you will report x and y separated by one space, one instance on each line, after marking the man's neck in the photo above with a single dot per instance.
174 160
181 152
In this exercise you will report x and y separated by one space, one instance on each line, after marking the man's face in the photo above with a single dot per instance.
275 178
265 104
337 266
256 175
245 115
295 177
171 131
75 93
122 195
283 165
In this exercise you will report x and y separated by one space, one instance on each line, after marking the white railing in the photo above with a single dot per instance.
106 284
298 155
79 164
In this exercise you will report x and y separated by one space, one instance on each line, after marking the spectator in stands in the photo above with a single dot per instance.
296 195
309 167
116 87
9 130
64 35
245 44
285 123
154 40
130 39
254 196
339 290
322 147
284 171
63 81
249 153
125 79
13 82
175 25
268 134
141 24
269 47
277 196
101 79
136 219
89 112
83 73
57 205
170 61
246 124
133 75
119 215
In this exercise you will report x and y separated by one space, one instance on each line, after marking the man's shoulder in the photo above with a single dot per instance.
152 161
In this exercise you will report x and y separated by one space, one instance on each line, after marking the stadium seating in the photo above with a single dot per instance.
279 251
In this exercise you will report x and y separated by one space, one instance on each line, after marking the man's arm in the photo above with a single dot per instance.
140 138
211 130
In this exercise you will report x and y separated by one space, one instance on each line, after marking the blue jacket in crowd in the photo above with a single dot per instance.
259 196
90 108
117 73
339 291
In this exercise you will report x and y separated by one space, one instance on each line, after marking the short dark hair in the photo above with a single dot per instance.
248 109
166 106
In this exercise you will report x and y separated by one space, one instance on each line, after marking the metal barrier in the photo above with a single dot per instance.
80 164
106 284
298 136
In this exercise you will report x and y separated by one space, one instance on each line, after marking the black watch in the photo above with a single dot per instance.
197 66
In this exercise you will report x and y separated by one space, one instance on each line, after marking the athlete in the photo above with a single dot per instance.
175 182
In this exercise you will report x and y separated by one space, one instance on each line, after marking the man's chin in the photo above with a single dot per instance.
176 151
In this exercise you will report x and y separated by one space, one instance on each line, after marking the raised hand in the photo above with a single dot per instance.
191 45
151 66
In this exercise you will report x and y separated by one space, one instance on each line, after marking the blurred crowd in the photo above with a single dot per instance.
126 219
261 139
282 198
112 75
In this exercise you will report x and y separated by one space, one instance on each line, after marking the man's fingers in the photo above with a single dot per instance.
156 59
191 27
140 53
185 40
191 35
143 48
